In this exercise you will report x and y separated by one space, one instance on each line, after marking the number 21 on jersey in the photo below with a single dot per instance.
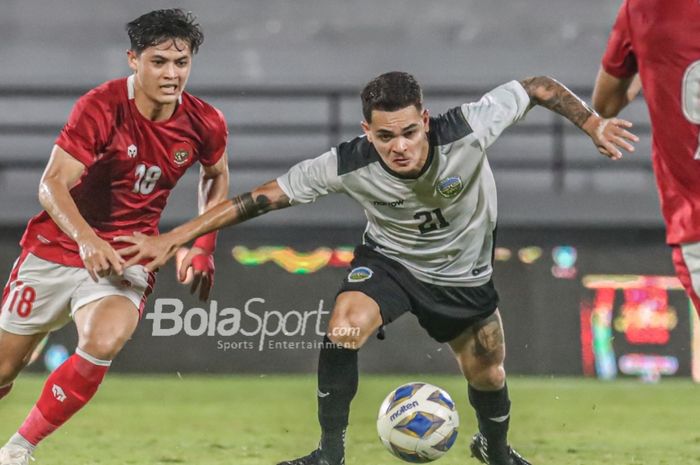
691 97
146 179
431 221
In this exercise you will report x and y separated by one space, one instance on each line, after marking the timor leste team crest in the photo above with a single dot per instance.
450 187
359 274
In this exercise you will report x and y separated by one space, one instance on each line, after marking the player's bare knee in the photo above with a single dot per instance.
491 378
347 334
103 347
350 328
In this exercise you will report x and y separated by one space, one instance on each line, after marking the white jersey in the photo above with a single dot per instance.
439 225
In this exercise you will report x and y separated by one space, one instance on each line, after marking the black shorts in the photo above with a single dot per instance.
443 311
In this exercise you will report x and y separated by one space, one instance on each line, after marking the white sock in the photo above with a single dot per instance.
19 441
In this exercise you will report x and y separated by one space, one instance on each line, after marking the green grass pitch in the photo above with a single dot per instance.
256 420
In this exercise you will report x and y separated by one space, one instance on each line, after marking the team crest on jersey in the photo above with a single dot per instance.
132 151
449 187
181 153
359 274
181 156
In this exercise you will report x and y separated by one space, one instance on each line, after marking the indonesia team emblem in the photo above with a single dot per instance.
359 274
181 155
449 187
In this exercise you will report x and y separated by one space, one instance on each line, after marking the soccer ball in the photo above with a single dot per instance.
418 422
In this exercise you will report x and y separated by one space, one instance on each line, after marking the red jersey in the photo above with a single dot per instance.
660 39
132 164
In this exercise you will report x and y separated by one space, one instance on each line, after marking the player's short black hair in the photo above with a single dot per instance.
390 92
160 25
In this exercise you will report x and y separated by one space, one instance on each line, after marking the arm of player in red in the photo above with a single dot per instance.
62 173
160 249
611 94
196 265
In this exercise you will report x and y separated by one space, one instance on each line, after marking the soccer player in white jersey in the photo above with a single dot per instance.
430 200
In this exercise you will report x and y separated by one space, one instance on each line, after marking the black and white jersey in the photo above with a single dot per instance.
440 224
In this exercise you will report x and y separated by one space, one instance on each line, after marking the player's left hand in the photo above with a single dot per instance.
610 135
158 248
196 266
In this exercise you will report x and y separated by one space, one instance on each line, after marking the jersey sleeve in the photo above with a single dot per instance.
619 59
85 134
216 138
503 106
310 179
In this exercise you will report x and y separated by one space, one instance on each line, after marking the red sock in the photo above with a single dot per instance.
5 390
66 391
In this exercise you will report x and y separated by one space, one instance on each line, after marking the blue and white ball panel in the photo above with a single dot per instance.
402 394
420 425
408 455
447 442
442 398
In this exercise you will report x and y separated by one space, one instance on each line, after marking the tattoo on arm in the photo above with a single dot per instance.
248 207
244 205
554 96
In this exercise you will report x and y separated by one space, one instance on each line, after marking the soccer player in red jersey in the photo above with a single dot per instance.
124 147
658 41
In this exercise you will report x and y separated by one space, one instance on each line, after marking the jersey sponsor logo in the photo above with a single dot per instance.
450 187
359 274
132 151
393 204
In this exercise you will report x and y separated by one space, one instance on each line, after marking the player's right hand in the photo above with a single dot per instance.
100 258
159 249
610 135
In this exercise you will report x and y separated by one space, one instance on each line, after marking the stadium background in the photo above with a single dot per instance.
581 260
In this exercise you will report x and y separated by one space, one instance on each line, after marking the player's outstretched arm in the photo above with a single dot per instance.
159 249
612 94
62 173
608 135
